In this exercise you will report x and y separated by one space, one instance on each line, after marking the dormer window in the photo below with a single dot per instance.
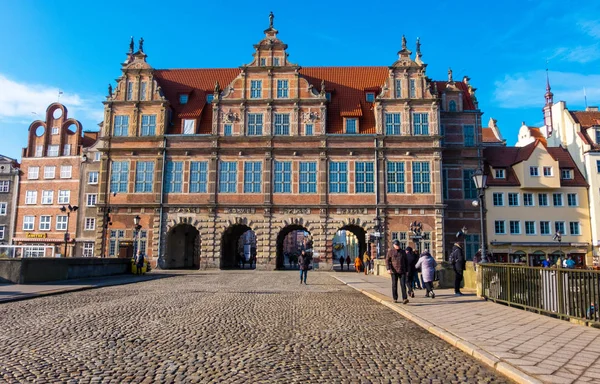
328 96
534 171
452 106
351 126
183 98
55 130
189 127
547 171
500 174
566 174
597 135
263 62
209 98
413 88
370 97
276 61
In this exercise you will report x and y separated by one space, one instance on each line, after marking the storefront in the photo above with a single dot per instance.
533 254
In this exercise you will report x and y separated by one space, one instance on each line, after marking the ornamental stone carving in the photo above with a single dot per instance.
239 211
230 117
184 210
351 211
309 117
295 211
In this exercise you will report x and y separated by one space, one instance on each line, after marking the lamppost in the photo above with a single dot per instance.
137 228
416 228
68 209
558 237
480 180
377 236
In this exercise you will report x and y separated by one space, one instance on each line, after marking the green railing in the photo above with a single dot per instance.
564 293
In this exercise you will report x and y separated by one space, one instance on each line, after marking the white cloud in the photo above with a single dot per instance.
526 90
22 101
591 27
580 54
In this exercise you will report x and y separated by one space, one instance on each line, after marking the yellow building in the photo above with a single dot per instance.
535 192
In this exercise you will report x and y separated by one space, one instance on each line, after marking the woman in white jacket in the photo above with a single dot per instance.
427 264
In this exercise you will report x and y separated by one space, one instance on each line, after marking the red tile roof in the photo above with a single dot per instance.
468 104
537 134
488 135
565 161
586 118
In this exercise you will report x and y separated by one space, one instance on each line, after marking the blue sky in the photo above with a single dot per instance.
503 47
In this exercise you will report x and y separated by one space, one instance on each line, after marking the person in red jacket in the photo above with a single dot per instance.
397 266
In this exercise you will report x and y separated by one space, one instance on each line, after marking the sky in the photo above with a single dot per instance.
503 46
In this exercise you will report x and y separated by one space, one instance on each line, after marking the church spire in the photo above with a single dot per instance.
549 96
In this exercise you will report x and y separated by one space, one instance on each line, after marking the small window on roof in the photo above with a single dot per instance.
263 62
370 97
276 61
452 106
328 96
566 174
500 174
209 98
183 98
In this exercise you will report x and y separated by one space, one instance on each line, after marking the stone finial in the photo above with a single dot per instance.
450 80
322 87
403 42
418 47
110 90
271 18
131 45
142 44
217 88
466 79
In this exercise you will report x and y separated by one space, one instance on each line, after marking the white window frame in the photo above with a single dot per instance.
347 120
518 227
64 197
55 131
53 150
67 150
534 228
66 171
33 173
532 199
188 126
97 156
91 196
3 208
28 223
90 224
562 200
88 249
39 151
534 171
566 172
578 228
576 200
45 223
547 202
49 175
93 178
4 186
503 227
518 195
549 228
549 173
47 197
61 222
501 194
2 231
30 197
499 174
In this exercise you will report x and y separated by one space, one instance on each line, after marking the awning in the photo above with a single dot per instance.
33 240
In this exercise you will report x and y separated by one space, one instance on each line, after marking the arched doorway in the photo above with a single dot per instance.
350 240
183 247
238 247
290 243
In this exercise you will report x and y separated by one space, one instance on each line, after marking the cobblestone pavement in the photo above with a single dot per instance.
229 327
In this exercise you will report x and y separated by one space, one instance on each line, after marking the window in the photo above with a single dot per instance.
67 150
255 124
143 89
3 208
119 176
198 171
30 197
572 200
515 227
144 176
401 237
263 62
543 199
227 130
528 199
174 177
47 197
53 150
183 98
28 223
364 181
395 177
90 223
93 178
534 171
61 223
370 97
129 90
189 126
4 186
498 199
210 97
469 135
282 89
283 177
276 61
472 245
452 106
559 226
39 150
470 190
97 156
66 171
392 124
351 125
33 173
227 176
2 230
574 228
308 129
566 174
598 166
398 89
143 239
499 174
547 171
421 177
88 248
544 227
255 89
420 124
499 227
64 197
530 227
252 176
338 177
557 199
55 130
91 199
282 124
45 223
328 96
413 88
597 136
148 125
121 125
308 177
513 199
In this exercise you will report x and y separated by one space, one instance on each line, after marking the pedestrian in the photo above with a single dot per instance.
427 264
591 312
411 260
457 259
547 263
139 262
477 259
397 268
358 264
570 263
342 263
366 261
303 263
348 261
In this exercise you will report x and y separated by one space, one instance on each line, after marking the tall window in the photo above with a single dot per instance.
351 125
129 90
308 177
45 223
513 199
121 125
93 178
47 197
420 124
67 150
543 199
90 224
276 61
283 177
498 199
2 231
308 129
263 62
33 173
252 176
364 182
338 177
119 176
143 89
255 124
445 186
148 125
282 89
534 171
572 199
255 89
472 245
39 150
469 135
413 88
189 126
49 172
421 177
227 131
174 177
395 177
530 227
398 88
198 171
88 248
66 171
499 227
392 124
452 106
574 228
470 190
53 150
144 176
559 226
282 124
64 197
544 227
227 177
61 223
557 199
28 223
3 209
30 197
528 199
91 199
515 227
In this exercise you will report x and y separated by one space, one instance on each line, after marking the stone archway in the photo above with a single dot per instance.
230 247
357 232
183 247
283 262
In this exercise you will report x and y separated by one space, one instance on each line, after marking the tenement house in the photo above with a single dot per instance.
9 185
202 156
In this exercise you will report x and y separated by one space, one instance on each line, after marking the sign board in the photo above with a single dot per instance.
377 234
416 237
30 235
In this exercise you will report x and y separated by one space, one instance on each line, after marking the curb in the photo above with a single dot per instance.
482 355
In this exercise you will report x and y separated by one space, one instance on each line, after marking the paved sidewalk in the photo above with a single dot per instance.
16 292
527 347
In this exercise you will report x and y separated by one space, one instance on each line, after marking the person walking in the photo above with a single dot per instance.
411 260
358 264
457 259
397 267
348 261
570 263
139 262
366 261
342 263
427 264
547 263
303 263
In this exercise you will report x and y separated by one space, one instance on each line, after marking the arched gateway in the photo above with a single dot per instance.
290 242
349 240
238 247
183 247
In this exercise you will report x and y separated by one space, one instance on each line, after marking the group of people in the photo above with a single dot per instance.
566 263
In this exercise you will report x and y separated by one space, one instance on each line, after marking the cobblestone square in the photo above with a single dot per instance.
229 327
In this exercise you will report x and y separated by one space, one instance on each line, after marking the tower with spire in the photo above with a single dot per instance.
549 96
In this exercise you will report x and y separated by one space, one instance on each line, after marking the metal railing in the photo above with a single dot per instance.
564 293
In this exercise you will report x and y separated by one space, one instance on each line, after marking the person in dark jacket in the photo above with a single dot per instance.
348 261
457 259
342 263
303 263
397 267
411 260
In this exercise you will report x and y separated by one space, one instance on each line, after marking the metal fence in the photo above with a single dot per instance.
564 293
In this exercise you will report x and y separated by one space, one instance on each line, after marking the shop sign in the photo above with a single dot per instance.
30 235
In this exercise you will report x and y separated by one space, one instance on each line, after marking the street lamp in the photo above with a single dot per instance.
137 227
68 209
415 229
480 180
558 237
378 237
